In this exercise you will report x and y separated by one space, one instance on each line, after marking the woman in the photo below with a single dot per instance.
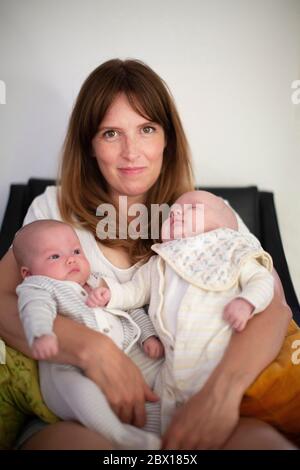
125 138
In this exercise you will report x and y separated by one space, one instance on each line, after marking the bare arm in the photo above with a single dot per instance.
209 417
96 354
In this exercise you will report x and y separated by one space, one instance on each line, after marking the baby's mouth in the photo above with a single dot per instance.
74 270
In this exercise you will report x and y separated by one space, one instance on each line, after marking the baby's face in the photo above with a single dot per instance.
57 253
194 213
185 220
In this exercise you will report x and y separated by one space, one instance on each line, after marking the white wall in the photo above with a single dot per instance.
229 64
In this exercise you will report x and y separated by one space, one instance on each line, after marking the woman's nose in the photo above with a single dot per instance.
130 147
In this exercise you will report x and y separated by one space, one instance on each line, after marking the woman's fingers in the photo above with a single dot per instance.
121 382
122 407
205 421
139 414
132 409
149 394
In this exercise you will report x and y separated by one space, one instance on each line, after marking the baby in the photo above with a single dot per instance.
57 278
207 280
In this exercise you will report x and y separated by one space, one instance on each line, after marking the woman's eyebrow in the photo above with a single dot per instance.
144 123
105 128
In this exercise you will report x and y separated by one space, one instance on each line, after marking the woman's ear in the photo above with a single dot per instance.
25 272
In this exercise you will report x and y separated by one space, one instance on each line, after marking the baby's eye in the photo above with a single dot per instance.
55 256
175 212
77 251
148 129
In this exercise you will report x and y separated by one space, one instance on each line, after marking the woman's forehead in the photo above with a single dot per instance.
122 103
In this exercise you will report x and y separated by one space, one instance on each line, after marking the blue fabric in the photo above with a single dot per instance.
33 426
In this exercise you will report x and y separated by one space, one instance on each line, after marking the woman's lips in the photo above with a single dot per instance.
132 170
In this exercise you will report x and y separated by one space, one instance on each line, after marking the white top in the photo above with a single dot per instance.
175 288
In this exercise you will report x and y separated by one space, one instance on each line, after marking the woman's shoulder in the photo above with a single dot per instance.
44 206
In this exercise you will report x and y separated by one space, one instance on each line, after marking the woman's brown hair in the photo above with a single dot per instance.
83 188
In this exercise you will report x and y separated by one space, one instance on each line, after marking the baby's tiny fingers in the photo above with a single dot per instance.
230 319
228 314
242 325
237 325
91 302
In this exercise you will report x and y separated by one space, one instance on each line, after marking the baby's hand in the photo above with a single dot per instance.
153 347
98 297
45 347
238 312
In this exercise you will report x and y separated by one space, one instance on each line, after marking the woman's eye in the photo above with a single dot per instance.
148 129
110 134
55 256
77 251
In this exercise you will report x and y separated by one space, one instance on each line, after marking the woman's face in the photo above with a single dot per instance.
129 151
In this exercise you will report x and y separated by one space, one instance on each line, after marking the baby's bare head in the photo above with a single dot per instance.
216 213
51 248
31 238
196 212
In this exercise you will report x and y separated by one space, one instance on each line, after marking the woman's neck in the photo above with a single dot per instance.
117 256
118 199
123 203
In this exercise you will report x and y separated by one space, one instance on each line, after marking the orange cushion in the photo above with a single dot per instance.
275 395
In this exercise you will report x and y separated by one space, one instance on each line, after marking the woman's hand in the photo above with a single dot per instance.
206 420
120 380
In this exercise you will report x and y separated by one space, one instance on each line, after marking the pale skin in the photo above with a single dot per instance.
56 252
182 223
112 370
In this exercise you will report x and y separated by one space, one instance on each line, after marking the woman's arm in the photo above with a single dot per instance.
209 417
100 359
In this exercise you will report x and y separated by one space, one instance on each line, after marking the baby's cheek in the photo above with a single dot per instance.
87 267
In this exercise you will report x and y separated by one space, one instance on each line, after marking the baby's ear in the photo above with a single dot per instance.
25 272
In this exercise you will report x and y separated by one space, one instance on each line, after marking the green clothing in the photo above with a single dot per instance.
20 396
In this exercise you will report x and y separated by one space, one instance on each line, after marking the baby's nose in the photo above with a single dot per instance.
70 259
